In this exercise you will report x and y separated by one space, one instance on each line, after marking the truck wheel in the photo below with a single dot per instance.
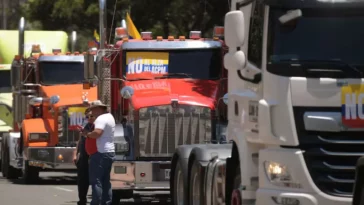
8 171
235 195
179 191
196 179
30 174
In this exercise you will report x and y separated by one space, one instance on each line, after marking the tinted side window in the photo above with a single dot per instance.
256 34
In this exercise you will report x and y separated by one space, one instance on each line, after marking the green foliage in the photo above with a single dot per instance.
162 17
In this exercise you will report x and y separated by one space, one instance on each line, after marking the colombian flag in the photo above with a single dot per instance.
132 30
96 37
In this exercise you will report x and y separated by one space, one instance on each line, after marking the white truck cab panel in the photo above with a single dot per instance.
303 119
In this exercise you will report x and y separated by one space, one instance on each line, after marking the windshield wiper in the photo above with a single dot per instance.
337 63
174 75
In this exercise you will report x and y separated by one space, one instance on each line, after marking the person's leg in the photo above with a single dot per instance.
83 178
106 184
87 182
79 183
95 174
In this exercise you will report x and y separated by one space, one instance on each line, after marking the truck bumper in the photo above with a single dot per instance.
141 176
267 196
305 194
51 157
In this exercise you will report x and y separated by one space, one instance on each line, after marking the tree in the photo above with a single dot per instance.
162 17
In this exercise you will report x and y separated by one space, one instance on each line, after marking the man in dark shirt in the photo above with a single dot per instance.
81 160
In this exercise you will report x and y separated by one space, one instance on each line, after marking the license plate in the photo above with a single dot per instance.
167 173
120 170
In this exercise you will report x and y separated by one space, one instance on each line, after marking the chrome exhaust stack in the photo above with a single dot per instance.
21 36
102 23
74 41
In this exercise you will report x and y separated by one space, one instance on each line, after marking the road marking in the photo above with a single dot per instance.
63 189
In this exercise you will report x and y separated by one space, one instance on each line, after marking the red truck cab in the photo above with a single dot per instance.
165 93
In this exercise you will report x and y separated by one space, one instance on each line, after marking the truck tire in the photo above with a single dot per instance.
30 174
179 191
8 171
195 184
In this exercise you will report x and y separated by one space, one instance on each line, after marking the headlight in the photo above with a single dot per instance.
279 175
121 147
38 136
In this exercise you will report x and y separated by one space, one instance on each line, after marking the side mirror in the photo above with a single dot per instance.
54 99
234 29
127 92
235 60
89 66
225 98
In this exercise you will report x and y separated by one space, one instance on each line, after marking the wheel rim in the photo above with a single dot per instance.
180 188
196 192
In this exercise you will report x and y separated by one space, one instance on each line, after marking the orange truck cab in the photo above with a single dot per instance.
163 93
49 104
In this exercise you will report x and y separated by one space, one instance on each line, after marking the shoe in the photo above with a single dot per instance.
81 203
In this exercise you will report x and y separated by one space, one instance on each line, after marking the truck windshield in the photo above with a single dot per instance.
5 85
197 64
318 36
60 73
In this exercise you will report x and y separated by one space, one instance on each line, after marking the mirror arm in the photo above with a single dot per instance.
116 79
257 77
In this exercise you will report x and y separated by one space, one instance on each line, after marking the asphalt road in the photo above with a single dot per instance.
53 189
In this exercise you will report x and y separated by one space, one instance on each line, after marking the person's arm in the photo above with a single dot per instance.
100 124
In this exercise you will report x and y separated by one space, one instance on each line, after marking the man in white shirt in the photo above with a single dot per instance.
101 161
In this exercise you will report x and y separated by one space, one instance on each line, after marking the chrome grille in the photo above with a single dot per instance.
66 137
162 129
330 156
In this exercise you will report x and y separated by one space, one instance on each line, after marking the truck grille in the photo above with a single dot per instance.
66 137
162 129
330 156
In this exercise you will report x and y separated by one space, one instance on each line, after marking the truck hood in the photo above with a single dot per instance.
69 94
6 98
162 91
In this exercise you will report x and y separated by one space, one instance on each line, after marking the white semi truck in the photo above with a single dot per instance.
295 108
